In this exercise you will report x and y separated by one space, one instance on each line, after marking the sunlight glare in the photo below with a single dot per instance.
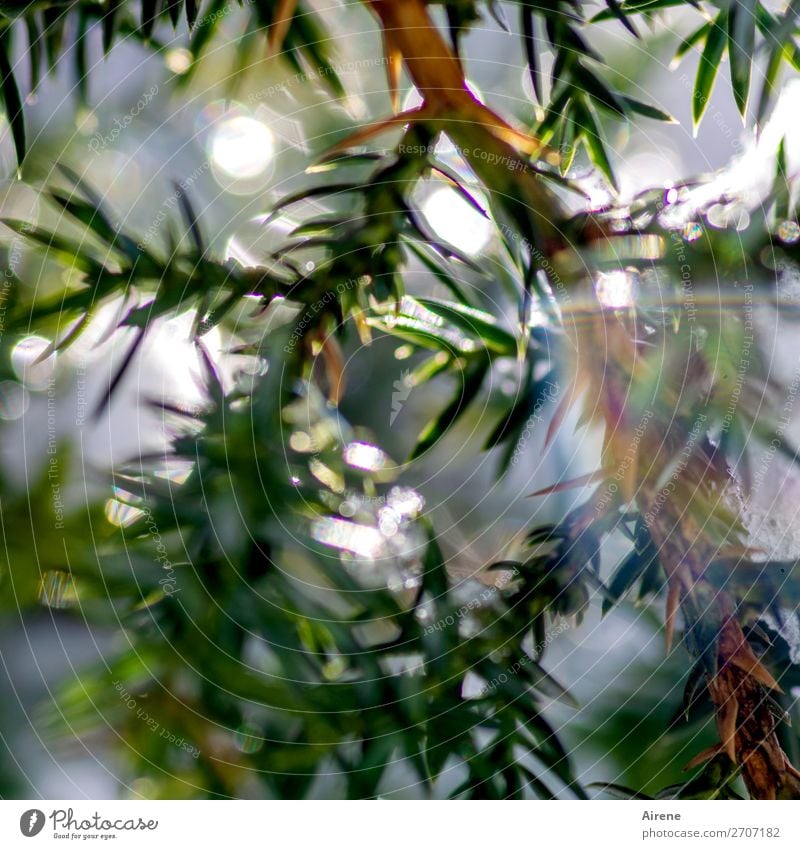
242 147
615 289
456 221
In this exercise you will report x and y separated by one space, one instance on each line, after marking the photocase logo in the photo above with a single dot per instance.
402 389
31 822
66 825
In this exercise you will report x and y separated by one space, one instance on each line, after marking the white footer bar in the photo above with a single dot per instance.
400 825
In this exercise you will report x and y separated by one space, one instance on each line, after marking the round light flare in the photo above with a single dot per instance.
14 400
789 232
178 60
242 147
33 362
615 290
456 221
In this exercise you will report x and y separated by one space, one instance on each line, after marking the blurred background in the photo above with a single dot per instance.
237 134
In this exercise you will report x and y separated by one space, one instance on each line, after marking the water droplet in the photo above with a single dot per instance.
407 503
248 739
301 441
359 539
326 475
348 508
789 232
362 455
387 522
395 584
